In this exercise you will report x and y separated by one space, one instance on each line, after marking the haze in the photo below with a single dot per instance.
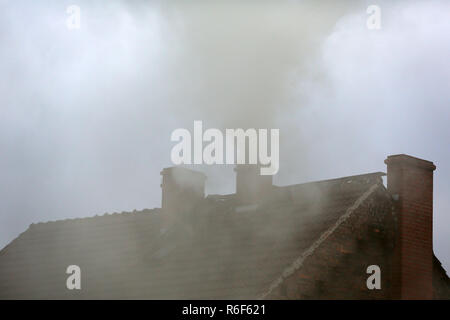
86 115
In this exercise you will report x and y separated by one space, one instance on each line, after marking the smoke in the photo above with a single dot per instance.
86 115
384 93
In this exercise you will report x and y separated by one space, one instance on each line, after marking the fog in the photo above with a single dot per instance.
86 114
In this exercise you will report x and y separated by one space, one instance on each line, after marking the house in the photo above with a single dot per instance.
306 241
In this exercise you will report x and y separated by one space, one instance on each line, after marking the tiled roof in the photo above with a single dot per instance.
221 250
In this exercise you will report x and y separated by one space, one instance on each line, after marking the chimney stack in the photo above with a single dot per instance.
251 186
410 182
182 190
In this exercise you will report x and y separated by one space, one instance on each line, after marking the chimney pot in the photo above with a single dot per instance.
182 190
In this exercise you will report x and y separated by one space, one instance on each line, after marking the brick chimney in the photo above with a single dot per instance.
251 186
410 182
182 190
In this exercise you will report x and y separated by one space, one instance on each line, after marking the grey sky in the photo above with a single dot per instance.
86 115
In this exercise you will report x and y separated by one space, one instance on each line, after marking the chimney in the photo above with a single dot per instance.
251 186
182 190
410 182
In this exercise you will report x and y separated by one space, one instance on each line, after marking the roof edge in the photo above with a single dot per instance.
377 174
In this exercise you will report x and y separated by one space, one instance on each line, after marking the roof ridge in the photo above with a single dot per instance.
370 174
106 214
211 196
32 225
308 252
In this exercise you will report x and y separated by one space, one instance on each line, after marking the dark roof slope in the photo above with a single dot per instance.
441 281
221 250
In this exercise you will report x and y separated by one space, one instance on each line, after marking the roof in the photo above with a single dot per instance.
221 250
